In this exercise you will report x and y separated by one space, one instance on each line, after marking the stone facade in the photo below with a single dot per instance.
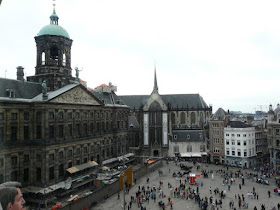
40 140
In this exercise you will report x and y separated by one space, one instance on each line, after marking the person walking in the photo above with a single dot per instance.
268 192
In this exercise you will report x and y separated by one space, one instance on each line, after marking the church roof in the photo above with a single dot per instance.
174 101
22 89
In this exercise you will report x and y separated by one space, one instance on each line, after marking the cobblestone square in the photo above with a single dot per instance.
208 184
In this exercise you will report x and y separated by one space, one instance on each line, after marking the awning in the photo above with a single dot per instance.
185 154
129 155
196 154
83 166
109 161
61 185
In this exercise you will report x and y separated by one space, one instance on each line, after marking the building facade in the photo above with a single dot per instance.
189 144
273 137
240 144
217 123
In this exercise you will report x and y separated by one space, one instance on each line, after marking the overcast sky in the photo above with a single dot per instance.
227 51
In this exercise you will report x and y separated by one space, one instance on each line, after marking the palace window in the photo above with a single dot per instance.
51 115
13 116
26 132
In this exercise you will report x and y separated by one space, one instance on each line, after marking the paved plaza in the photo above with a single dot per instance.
208 183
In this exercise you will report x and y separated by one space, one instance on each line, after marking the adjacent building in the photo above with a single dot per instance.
240 144
189 144
217 124
273 137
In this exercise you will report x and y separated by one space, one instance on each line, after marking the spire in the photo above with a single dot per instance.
155 82
54 18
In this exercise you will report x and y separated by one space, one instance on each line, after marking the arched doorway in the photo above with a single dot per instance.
156 153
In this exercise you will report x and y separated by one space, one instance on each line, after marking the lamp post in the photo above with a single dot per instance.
123 188
123 174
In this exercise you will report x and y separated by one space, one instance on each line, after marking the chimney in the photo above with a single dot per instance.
20 73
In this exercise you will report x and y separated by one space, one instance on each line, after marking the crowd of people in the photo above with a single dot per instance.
191 193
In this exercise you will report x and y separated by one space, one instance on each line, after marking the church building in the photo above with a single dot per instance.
159 114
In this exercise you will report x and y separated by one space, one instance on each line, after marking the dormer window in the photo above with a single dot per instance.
175 136
11 93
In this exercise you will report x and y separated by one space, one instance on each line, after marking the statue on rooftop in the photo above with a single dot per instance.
44 87
77 74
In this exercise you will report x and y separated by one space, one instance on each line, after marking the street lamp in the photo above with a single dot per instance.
123 175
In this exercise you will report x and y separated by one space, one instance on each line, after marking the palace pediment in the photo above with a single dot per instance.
77 95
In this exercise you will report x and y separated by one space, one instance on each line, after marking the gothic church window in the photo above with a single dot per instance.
193 118
173 118
183 117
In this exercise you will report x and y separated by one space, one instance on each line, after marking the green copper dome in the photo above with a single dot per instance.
53 29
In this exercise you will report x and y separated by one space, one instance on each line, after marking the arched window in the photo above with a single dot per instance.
173 118
64 60
43 58
183 117
193 121
54 55
201 116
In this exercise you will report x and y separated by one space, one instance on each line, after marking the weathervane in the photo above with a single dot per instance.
54 5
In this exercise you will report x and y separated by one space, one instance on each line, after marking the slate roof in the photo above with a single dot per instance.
132 121
173 101
23 89
194 136
53 94
238 124
220 114
109 98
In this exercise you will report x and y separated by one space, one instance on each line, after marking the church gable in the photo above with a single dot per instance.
76 95
155 101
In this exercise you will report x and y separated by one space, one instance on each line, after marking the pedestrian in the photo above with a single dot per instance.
239 186
118 195
268 193
171 204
